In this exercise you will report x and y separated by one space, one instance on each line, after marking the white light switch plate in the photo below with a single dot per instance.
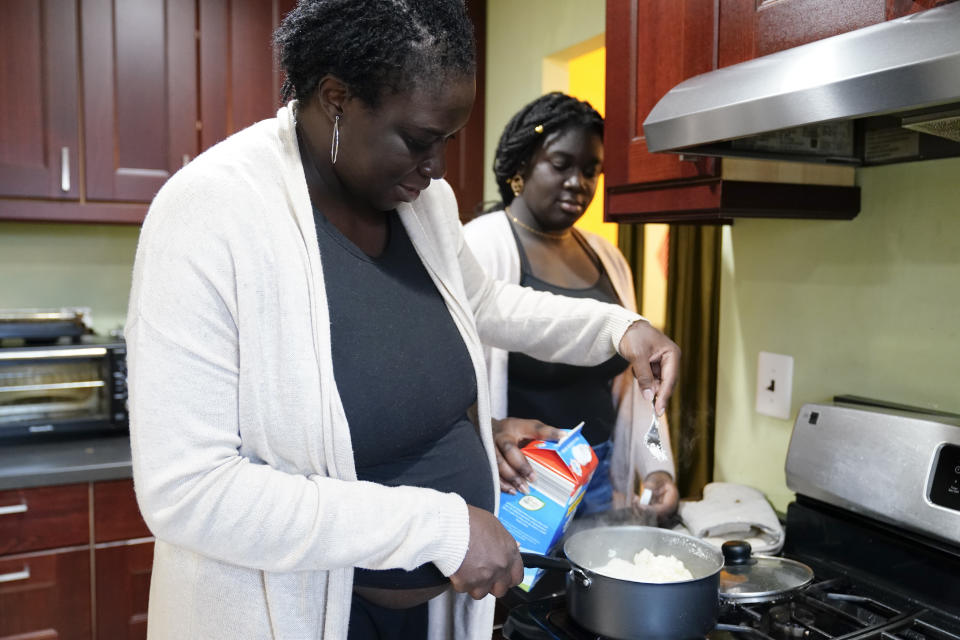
774 384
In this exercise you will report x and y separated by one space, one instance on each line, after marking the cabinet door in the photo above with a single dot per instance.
239 81
465 152
45 596
39 143
44 518
115 512
753 28
900 8
123 590
140 94
651 46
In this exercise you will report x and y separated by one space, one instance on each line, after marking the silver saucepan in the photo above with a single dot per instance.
631 610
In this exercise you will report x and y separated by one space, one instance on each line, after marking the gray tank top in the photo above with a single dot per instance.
404 376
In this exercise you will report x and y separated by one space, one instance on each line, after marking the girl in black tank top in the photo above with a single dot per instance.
547 165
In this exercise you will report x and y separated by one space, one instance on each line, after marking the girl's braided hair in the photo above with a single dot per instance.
374 46
529 127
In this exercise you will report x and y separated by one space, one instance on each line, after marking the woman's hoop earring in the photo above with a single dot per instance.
335 141
516 184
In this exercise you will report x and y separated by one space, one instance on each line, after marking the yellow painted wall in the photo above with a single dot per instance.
522 37
656 246
587 75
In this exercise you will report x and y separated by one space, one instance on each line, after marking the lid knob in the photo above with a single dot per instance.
736 552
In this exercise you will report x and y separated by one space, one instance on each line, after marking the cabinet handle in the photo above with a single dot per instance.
186 159
16 575
65 169
13 508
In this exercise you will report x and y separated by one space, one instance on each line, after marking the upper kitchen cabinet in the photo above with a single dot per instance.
752 28
239 82
39 71
140 94
653 45
148 83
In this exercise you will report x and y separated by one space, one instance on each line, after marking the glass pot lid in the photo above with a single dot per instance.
747 578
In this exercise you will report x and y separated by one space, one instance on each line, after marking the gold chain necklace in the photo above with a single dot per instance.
537 232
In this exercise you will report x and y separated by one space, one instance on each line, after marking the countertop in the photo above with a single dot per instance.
45 463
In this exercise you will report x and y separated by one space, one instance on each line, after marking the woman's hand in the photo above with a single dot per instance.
492 564
509 435
655 359
665 494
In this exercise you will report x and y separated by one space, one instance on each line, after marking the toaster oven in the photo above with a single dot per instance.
63 388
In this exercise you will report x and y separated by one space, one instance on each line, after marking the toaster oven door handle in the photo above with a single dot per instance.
71 352
13 576
10 509
55 386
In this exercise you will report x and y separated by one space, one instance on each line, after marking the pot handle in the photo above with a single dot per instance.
537 561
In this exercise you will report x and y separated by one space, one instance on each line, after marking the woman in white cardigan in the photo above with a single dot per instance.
290 497
547 164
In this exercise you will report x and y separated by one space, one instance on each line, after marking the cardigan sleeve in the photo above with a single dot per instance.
540 324
199 483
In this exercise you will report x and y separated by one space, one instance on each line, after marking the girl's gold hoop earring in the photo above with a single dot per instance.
516 184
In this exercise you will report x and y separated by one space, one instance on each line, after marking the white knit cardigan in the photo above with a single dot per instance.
242 459
493 244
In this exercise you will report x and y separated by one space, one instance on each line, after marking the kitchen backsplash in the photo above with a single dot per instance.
869 307
54 265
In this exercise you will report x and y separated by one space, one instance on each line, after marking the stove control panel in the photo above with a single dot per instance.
945 488
895 466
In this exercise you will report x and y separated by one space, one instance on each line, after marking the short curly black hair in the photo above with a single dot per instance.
374 46
527 129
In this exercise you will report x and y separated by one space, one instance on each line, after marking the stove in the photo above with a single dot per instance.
874 517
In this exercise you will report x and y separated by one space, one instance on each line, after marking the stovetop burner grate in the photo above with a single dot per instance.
833 609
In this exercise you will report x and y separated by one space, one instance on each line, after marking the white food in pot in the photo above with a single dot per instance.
646 567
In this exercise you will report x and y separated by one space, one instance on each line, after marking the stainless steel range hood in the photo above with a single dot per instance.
885 93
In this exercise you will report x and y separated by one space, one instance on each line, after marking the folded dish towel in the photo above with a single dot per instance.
733 512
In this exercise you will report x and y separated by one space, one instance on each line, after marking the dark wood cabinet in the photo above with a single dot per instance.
45 563
465 167
46 595
123 589
652 45
750 29
115 512
239 82
44 518
900 8
47 544
140 95
162 80
39 123
123 551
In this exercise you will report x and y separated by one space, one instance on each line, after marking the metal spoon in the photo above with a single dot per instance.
652 439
